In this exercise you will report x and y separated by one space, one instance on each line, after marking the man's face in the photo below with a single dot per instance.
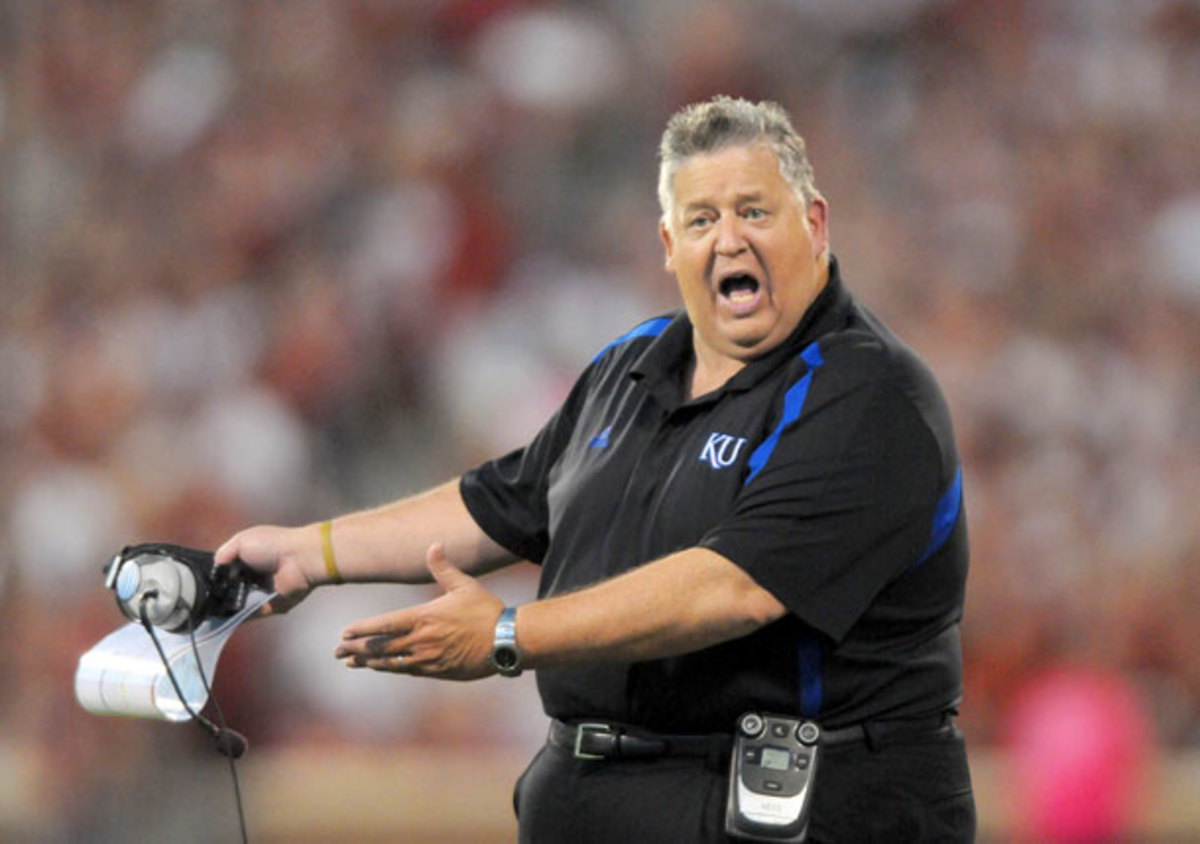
748 255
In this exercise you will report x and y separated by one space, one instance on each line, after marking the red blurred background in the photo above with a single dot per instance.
268 261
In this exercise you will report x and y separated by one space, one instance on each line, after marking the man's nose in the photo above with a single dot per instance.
730 239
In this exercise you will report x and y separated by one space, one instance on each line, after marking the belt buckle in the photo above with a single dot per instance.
583 729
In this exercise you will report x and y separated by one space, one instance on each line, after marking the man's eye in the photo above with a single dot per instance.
754 213
698 222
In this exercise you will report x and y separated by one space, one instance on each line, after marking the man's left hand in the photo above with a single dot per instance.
449 637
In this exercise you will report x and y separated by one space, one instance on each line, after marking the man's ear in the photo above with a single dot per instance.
664 231
817 215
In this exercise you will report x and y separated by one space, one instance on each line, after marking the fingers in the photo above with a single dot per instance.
261 547
415 661
445 574
391 653
258 546
279 605
228 552
375 642
399 664
395 623
448 637
365 654
403 621
278 556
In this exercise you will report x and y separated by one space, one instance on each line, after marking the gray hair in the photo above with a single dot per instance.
723 122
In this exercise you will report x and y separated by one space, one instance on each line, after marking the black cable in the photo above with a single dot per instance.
218 734
237 788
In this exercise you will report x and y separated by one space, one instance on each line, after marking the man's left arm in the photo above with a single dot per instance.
684 602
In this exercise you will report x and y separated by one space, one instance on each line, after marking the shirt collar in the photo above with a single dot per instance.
664 364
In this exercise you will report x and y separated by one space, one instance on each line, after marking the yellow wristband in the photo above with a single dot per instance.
331 568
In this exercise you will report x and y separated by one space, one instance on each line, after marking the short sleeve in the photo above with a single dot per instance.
507 495
842 503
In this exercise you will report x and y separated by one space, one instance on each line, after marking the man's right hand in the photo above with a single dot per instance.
291 557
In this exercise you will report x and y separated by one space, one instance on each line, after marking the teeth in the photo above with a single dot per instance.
739 286
739 289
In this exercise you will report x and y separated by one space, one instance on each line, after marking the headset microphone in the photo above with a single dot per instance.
230 743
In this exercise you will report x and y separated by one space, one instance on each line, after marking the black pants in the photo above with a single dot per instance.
918 790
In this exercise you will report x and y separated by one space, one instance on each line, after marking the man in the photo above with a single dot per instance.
752 505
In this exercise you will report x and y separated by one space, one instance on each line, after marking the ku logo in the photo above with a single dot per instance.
722 450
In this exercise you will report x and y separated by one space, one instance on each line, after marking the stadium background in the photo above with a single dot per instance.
267 261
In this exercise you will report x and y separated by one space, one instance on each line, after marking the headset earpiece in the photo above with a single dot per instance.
173 582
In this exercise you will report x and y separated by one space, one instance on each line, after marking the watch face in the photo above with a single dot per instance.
507 660
505 657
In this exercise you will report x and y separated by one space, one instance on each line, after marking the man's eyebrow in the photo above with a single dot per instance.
747 196
739 199
695 205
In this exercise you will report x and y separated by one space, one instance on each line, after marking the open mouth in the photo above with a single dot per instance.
739 289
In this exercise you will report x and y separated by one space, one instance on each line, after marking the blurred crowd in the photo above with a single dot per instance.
272 261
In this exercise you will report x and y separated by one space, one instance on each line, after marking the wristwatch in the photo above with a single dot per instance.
506 656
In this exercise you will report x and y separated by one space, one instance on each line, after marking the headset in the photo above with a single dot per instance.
177 588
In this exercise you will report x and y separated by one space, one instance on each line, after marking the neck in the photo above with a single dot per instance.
710 371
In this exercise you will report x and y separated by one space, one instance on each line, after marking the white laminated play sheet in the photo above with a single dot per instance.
123 674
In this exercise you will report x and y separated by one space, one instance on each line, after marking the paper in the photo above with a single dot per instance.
124 675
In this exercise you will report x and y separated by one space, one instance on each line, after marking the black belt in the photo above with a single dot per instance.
598 740
592 740
877 733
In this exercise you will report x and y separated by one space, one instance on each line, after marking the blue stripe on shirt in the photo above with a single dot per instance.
649 328
945 517
793 403
811 689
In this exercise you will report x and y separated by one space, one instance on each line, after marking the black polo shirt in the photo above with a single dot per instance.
826 469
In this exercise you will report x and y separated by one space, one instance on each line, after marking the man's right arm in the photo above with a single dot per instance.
385 544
